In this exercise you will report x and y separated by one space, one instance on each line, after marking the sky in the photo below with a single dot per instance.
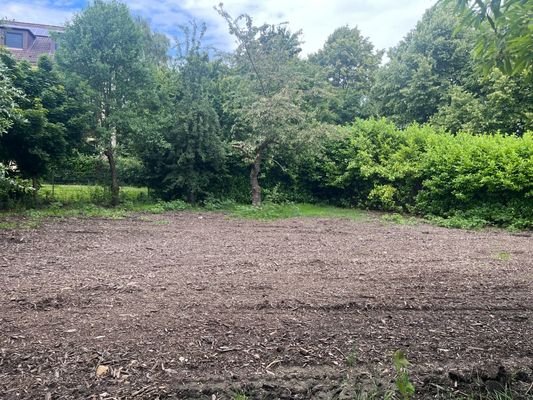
385 22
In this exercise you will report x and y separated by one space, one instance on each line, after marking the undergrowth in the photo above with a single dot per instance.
91 201
403 388
271 211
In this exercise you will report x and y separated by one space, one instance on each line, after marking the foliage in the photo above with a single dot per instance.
9 97
503 32
403 383
185 153
433 76
13 190
106 50
464 112
504 103
39 136
484 180
264 102
350 64
91 170
428 61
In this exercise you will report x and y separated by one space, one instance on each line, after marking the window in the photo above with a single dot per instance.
14 40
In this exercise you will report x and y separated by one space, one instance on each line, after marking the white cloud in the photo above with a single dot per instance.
35 11
385 22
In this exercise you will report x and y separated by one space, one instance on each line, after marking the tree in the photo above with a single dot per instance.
464 113
35 139
9 97
155 46
103 48
503 103
185 153
264 98
503 32
422 68
350 63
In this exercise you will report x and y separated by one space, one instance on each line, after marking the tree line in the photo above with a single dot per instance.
339 126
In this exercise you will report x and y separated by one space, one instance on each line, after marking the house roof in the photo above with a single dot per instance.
35 29
42 43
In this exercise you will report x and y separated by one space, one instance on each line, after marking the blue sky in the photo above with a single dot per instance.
385 22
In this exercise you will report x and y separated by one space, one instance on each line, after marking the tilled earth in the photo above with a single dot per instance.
192 305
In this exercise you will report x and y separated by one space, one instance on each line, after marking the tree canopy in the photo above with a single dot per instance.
502 30
108 52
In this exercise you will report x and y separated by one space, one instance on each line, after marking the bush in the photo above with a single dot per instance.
14 191
382 197
484 179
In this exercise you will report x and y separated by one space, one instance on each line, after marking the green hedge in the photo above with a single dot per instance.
488 178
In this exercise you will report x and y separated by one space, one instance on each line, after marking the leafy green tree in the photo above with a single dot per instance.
36 139
9 97
463 113
508 101
503 103
415 82
264 98
503 32
351 63
155 46
184 154
104 49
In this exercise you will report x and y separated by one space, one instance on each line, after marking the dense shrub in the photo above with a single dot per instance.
488 178
14 191
485 176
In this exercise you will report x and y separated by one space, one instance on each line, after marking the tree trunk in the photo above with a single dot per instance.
36 186
109 153
254 181
191 197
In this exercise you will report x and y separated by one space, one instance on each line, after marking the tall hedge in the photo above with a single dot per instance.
423 170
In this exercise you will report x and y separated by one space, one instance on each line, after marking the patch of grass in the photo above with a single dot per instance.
71 194
8 225
32 218
270 211
240 396
351 358
503 256
89 201
20 221
396 218
459 222
161 222
83 211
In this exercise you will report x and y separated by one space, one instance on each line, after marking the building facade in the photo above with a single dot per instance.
28 41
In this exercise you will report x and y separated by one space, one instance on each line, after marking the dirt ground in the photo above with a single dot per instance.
200 305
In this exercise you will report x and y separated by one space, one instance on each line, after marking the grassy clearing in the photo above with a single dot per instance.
32 218
269 211
75 194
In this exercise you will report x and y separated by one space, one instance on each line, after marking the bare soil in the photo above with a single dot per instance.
199 305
